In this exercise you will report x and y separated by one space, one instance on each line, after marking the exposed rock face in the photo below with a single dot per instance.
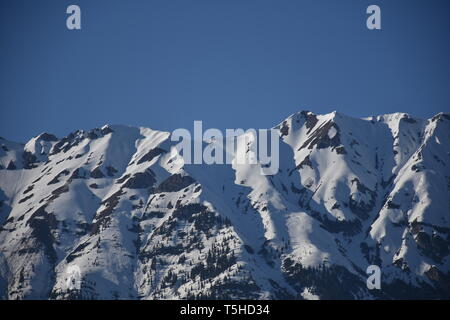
112 203
175 183
11 166
97 173
47 137
149 156
141 180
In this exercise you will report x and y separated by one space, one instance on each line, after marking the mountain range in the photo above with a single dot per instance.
139 224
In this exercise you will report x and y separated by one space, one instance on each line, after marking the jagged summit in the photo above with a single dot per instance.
113 202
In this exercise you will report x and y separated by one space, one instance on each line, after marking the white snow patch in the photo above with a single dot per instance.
308 295
332 132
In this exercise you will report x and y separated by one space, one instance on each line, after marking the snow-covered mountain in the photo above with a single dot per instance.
138 224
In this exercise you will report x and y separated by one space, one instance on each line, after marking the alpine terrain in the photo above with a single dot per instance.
117 204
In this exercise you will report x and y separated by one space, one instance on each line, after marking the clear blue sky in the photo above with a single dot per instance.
231 63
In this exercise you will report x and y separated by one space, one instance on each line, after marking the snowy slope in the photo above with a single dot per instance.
117 203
